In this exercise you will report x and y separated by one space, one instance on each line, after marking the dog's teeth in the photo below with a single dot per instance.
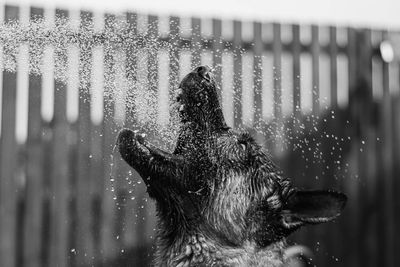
188 251
135 131
143 135
182 107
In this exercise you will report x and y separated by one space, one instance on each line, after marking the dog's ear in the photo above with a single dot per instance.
312 207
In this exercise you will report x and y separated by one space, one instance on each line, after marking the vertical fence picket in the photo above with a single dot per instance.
396 173
59 195
277 77
152 56
293 159
33 225
174 56
121 174
258 88
174 26
217 52
8 189
351 184
196 42
313 170
152 72
330 179
97 177
130 235
387 167
131 66
315 50
108 238
382 146
84 200
97 164
368 134
237 74
333 65
296 50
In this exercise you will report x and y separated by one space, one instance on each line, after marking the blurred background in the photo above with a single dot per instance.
316 82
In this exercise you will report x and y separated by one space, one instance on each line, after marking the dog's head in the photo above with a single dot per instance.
197 100
254 200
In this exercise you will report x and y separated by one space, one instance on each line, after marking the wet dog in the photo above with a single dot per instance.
220 199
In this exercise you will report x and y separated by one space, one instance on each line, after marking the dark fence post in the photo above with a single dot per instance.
196 43
386 154
107 232
34 193
59 184
257 77
237 74
8 160
217 52
84 198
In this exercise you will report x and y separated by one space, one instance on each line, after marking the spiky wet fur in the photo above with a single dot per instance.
220 199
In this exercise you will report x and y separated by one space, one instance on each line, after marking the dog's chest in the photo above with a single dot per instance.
192 250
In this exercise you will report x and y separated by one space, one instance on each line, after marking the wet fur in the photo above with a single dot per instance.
220 199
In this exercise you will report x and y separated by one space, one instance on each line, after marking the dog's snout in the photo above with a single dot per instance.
204 71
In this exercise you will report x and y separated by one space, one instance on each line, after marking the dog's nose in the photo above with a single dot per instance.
204 71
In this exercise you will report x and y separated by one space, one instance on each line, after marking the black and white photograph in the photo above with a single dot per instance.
199 133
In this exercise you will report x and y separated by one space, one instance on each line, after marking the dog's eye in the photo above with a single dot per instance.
242 145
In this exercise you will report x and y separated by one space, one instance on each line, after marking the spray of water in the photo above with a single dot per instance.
130 86
133 84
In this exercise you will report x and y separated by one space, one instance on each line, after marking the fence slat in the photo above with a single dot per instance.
368 174
296 50
84 197
277 78
174 26
396 173
315 51
130 221
237 74
196 42
333 65
60 185
217 53
108 238
352 185
33 225
149 221
131 68
387 167
258 49
8 189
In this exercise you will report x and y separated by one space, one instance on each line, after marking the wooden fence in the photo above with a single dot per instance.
321 99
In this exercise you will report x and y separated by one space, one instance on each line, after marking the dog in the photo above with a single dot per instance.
220 199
